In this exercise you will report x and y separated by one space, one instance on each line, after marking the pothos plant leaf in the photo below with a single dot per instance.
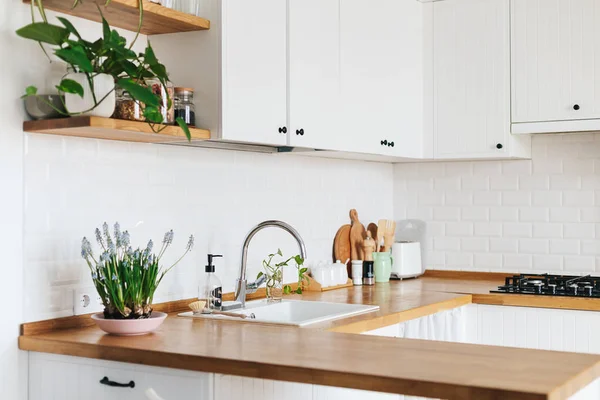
30 91
139 92
153 114
75 56
69 26
184 127
44 32
70 86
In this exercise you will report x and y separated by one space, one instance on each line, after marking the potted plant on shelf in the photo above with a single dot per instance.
273 272
126 280
96 68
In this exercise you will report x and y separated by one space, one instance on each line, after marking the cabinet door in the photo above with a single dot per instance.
381 76
254 55
471 78
314 80
555 50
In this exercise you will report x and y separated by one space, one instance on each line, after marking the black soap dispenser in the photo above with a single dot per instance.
212 291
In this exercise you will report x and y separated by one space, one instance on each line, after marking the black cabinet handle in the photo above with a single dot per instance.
391 144
108 382
576 107
499 146
283 130
384 142
300 132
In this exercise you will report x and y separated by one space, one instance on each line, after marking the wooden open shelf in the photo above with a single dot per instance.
125 14
112 129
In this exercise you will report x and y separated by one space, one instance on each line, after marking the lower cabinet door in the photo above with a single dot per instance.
229 387
53 377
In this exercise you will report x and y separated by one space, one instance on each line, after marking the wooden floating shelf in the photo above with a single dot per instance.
125 14
112 129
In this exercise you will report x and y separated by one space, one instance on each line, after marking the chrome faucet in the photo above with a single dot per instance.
242 287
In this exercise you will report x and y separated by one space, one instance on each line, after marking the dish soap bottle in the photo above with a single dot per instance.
212 290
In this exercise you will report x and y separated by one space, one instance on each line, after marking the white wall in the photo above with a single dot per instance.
539 215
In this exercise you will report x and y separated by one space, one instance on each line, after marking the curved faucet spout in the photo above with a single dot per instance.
242 286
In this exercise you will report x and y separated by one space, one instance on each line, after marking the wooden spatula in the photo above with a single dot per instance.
386 233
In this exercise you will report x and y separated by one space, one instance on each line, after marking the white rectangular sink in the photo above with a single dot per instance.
293 312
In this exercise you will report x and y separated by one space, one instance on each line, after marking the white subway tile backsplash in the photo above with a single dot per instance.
504 214
459 229
547 199
474 244
517 262
475 183
564 214
487 198
458 198
579 231
488 261
475 214
564 247
520 198
535 182
534 246
590 247
547 230
580 263
446 244
547 166
579 198
547 263
534 214
565 182
504 182
459 260
518 230
446 213
504 245
488 229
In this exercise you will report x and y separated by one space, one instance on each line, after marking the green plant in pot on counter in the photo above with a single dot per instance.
96 68
126 279
273 272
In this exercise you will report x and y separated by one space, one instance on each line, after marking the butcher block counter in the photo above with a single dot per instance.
333 354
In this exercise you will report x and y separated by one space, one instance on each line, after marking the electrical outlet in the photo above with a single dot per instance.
86 301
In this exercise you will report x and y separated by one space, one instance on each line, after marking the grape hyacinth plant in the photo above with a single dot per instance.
126 279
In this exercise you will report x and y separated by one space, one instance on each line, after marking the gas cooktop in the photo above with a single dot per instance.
551 285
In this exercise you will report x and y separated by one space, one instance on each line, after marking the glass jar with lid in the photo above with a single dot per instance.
184 105
127 107
165 94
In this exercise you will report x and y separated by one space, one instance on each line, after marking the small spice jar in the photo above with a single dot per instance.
184 105
165 93
127 107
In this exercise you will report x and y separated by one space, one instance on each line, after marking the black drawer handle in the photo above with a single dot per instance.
576 107
384 142
300 132
108 382
283 130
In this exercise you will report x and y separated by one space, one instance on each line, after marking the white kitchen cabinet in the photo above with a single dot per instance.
555 49
314 75
381 82
238 69
471 81
54 377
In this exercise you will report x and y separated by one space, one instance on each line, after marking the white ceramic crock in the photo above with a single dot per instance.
103 84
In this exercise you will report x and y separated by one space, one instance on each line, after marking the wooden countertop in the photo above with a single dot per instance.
327 355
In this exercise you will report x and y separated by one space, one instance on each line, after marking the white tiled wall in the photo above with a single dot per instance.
539 215
72 185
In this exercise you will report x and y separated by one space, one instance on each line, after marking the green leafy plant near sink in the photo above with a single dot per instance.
273 272
109 55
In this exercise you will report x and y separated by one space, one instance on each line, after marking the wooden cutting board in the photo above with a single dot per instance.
341 244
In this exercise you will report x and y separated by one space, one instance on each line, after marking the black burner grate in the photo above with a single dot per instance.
551 285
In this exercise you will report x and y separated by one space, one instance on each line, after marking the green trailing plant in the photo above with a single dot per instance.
273 272
108 55
126 279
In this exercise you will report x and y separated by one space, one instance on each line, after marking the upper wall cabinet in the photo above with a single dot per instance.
381 79
471 75
238 69
314 74
555 50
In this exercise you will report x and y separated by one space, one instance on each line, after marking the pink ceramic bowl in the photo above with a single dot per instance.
129 327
